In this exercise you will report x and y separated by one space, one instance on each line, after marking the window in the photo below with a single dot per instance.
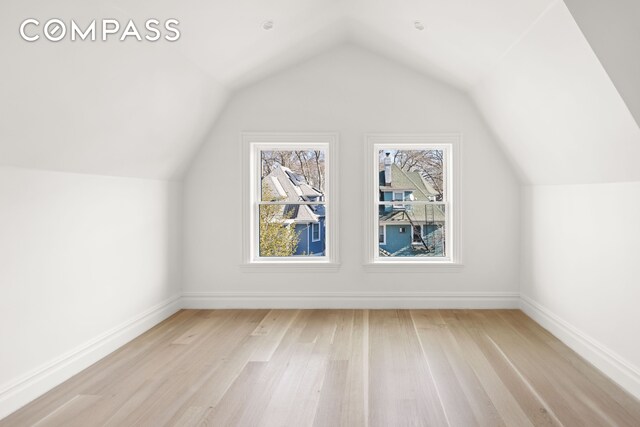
421 172
290 199
315 232
416 238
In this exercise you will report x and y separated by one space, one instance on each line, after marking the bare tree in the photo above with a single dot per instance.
307 163
319 170
429 163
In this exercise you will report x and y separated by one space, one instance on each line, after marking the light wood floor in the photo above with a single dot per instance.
338 368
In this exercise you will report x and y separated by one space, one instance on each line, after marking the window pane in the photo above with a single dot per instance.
413 175
292 175
288 230
416 231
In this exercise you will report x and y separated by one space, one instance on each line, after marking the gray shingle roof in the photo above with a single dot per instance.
407 180
418 213
283 184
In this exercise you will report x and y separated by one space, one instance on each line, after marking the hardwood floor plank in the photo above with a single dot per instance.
338 368
506 404
540 376
321 331
401 387
463 397
189 369
272 332
93 379
627 403
594 400
332 395
191 417
354 405
67 414
533 405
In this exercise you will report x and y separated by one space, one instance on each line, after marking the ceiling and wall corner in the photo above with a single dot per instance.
555 109
613 33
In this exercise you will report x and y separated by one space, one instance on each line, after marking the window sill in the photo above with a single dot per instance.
290 267
413 267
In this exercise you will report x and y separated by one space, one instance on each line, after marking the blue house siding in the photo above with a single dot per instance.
396 241
306 245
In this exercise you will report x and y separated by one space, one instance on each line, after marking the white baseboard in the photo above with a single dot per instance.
19 392
357 300
611 364
27 388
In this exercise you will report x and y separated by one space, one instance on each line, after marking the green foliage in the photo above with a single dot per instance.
277 239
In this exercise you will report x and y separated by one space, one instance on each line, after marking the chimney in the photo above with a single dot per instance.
387 170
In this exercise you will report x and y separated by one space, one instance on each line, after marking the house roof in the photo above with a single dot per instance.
419 214
285 185
301 213
402 180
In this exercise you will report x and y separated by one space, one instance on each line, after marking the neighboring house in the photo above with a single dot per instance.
409 230
308 220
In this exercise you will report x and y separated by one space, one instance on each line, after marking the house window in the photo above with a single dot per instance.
420 171
315 232
290 199
382 237
416 238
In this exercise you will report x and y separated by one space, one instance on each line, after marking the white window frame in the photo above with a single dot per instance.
452 143
313 240
252 144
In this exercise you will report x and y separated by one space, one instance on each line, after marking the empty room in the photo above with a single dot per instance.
320 213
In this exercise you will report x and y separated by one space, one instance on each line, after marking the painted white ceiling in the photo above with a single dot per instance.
142 109
612 29
555 110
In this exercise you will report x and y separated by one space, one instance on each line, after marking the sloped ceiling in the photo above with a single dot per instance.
556 111
142 109
612 29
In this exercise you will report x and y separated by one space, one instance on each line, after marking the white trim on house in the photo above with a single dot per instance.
452 143
252 143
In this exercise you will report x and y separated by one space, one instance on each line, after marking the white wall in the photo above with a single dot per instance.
87 262
350 91
581 271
